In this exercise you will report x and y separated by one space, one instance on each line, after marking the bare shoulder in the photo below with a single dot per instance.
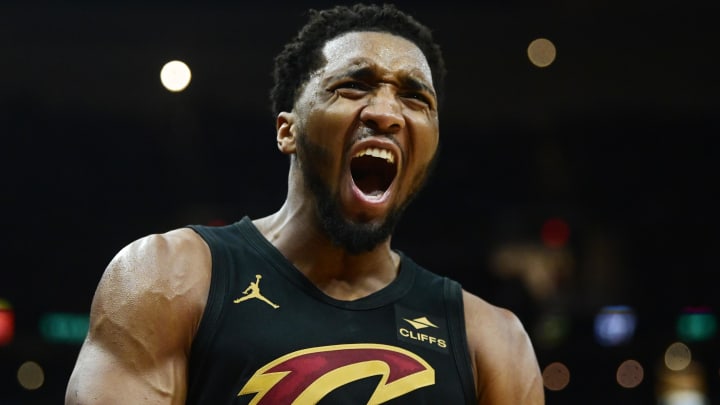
160 275
505 364
159 257
143 318
486 320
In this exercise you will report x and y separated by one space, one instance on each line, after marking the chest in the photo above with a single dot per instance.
277 342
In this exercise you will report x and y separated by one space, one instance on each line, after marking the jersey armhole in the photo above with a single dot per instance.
213 309
458 336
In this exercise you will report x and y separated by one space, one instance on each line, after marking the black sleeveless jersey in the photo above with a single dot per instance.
269 336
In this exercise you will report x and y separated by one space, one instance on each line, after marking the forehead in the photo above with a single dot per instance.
388 52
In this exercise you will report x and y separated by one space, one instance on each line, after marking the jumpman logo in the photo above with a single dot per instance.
253 291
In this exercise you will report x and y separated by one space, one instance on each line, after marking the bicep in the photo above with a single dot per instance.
507 370
519 377
142 320
102 376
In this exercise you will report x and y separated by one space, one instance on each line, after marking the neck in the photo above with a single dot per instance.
295 232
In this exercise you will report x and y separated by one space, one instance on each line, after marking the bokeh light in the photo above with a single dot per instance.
555 232
683 397
7 322
30 375
175 75
696 324
64 327
541 52
630 374
615 325
552 330
687 386
677 356
556 376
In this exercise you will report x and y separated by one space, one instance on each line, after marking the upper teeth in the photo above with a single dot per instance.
378 153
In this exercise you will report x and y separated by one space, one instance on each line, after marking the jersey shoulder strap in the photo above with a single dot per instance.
458 334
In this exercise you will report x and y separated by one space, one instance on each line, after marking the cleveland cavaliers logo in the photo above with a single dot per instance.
306 376
253 291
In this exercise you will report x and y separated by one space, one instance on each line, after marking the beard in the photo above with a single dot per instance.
355 237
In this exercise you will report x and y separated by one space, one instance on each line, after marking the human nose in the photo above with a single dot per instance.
383 112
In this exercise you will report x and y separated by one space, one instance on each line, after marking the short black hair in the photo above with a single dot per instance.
303 54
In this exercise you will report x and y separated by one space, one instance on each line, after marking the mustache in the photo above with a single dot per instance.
363 132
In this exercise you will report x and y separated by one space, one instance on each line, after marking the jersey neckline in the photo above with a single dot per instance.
387 295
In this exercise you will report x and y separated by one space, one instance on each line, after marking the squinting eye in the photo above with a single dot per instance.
351 85
419 97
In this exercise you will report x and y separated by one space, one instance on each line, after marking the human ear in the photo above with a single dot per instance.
285 131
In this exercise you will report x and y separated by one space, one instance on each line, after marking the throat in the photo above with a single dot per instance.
357 277
344 290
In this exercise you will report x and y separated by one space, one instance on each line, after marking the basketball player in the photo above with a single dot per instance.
311 304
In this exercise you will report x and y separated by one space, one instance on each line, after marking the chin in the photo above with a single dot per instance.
355 236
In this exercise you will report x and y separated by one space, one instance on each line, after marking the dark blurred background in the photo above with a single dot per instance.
581 195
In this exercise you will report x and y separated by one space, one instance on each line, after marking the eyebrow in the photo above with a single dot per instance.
367 73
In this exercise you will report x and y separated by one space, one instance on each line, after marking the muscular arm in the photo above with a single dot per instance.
143 318
505 365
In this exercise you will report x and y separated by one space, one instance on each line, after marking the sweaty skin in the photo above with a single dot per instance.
375 90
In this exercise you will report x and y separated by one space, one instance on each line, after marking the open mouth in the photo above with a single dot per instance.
373 170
